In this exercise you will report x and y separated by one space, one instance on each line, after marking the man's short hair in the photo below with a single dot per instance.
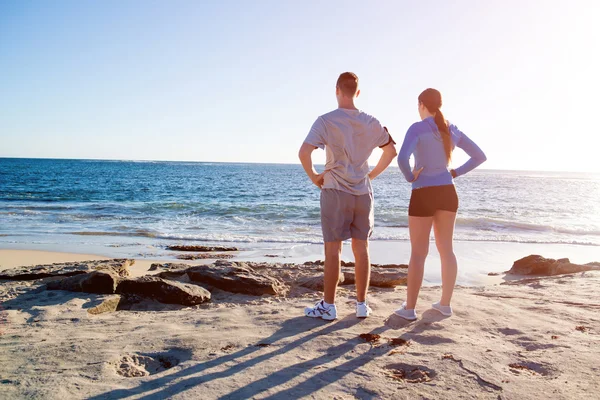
348 83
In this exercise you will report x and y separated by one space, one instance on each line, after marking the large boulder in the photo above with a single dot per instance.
100 282
25 273
538 265
164 291
316 282
379 279
235 277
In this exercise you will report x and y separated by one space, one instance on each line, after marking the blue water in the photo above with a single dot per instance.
253 203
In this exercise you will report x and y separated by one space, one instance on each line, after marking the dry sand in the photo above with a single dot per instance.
510 341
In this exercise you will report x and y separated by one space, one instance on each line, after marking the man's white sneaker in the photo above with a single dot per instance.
445 310
320 311
362 309
410 315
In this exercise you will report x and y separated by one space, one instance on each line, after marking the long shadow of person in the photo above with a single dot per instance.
186 379
330 375
317 381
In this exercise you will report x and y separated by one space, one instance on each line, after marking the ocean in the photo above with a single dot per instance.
113 202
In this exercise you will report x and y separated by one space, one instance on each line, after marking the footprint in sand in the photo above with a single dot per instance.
533 368
136 365
410 373
510 331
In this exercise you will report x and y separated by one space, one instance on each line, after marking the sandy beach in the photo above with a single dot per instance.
171 174
513 339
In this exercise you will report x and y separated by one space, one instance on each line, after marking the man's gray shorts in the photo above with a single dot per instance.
345 216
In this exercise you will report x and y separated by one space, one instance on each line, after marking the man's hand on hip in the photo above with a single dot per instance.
317 179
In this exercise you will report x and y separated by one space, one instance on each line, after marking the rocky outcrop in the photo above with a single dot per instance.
164 291
109 305
99 282
25 273
379 279
389 266
168 266
204 256
387 279
594 264
351 264
235 277
538 265
200 248
316 282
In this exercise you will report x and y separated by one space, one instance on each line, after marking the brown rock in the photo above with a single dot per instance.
203 256
379 279
594 264
388 279
316 282
370 337
351 264
109 305
538 265
318 262
349 278
176 275
200 248
26 273
236 278
100 282
388 266
169 267
164 291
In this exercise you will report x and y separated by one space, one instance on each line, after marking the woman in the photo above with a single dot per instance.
433 201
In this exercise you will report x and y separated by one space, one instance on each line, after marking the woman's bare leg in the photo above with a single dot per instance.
443 229
419 229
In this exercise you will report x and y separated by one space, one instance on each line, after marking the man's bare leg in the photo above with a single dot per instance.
333 252
362 267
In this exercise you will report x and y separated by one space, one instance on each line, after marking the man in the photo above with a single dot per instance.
348 136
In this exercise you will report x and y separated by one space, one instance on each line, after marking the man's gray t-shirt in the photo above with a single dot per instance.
348 137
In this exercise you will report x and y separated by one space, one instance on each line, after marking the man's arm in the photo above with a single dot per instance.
389 153
305 156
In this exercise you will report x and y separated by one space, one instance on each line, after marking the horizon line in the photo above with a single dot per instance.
256 162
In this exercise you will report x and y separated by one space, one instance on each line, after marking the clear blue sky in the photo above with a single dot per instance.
244 81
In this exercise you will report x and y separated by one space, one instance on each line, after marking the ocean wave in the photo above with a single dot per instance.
459 238
202 238
315 238
493 224
137 233
487 224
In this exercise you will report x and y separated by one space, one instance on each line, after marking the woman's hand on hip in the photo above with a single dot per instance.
416 173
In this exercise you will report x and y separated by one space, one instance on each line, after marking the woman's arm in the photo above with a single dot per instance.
408 147
476 154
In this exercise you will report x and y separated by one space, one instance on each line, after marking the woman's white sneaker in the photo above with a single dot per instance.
362 309
402 312
321 311
445 310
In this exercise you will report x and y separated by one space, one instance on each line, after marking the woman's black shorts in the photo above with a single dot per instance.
424 202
